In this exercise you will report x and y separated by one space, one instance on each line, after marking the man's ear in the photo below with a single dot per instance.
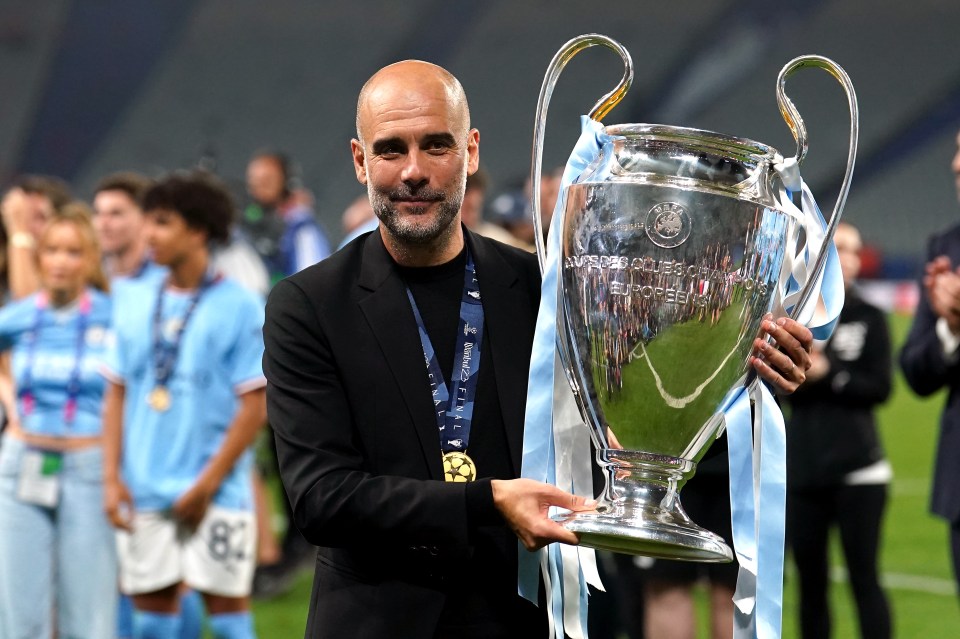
473 151
359 160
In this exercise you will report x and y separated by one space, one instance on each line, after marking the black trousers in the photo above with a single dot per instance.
857 511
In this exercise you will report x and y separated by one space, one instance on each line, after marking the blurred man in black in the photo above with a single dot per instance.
931 360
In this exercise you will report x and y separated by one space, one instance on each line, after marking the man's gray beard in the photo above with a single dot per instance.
415 233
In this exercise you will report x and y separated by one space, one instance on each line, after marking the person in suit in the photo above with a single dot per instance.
930 360
358 351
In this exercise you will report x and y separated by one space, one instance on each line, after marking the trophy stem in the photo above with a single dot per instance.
640 511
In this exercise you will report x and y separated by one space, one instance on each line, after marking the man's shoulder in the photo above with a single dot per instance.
231 291
129 294
132 305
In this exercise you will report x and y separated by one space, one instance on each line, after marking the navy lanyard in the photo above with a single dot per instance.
27 398
140 270
165 353
454 401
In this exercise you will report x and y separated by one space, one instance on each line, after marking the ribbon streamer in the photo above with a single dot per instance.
755 427
556 444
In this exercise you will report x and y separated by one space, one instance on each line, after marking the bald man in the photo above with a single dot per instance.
404 552
407 481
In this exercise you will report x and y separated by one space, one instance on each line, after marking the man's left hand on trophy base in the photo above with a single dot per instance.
525 505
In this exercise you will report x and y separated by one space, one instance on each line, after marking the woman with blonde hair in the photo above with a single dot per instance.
56 546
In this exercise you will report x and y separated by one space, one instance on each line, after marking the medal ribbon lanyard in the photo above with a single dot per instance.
140 270
26 395
454 402
165 353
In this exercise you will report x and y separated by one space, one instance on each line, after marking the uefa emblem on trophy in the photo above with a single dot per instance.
674 244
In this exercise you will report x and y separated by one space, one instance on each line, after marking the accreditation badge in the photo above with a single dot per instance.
39 480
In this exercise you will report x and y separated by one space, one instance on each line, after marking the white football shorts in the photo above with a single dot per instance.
218 558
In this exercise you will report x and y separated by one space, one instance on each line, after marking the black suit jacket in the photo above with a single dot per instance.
349 402
927 370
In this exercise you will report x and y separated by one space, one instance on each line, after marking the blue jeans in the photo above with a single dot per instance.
61 559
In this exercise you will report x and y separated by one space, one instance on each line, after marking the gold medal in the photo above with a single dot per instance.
159 399
458 467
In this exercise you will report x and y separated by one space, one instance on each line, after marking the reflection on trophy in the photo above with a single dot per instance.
671 252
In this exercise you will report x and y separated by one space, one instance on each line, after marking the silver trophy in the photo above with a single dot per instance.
672 246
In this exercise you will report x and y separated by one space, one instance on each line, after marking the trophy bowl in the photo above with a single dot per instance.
671 250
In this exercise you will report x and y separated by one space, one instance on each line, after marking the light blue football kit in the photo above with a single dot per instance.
219 358
148 271
46 343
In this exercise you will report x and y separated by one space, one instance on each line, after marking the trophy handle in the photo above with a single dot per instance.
799 130
599 110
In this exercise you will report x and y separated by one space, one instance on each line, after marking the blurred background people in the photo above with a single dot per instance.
121 230
931 360
549 193
25 209
185 401
282 227
56 546
471 211
119 220
837 474
239 259
511 211
279 220
357 219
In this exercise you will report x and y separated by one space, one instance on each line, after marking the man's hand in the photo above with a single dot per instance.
192 505
942 285
525 503
118 505
785 362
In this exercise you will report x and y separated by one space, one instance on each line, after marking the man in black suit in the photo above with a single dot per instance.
363 438
931 360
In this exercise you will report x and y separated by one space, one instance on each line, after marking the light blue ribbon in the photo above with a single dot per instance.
757 443
539 452
831 280
757 500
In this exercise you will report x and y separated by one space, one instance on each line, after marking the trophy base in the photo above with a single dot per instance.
653 539
640 512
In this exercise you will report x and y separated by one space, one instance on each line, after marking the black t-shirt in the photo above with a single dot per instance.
486 603
438 291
